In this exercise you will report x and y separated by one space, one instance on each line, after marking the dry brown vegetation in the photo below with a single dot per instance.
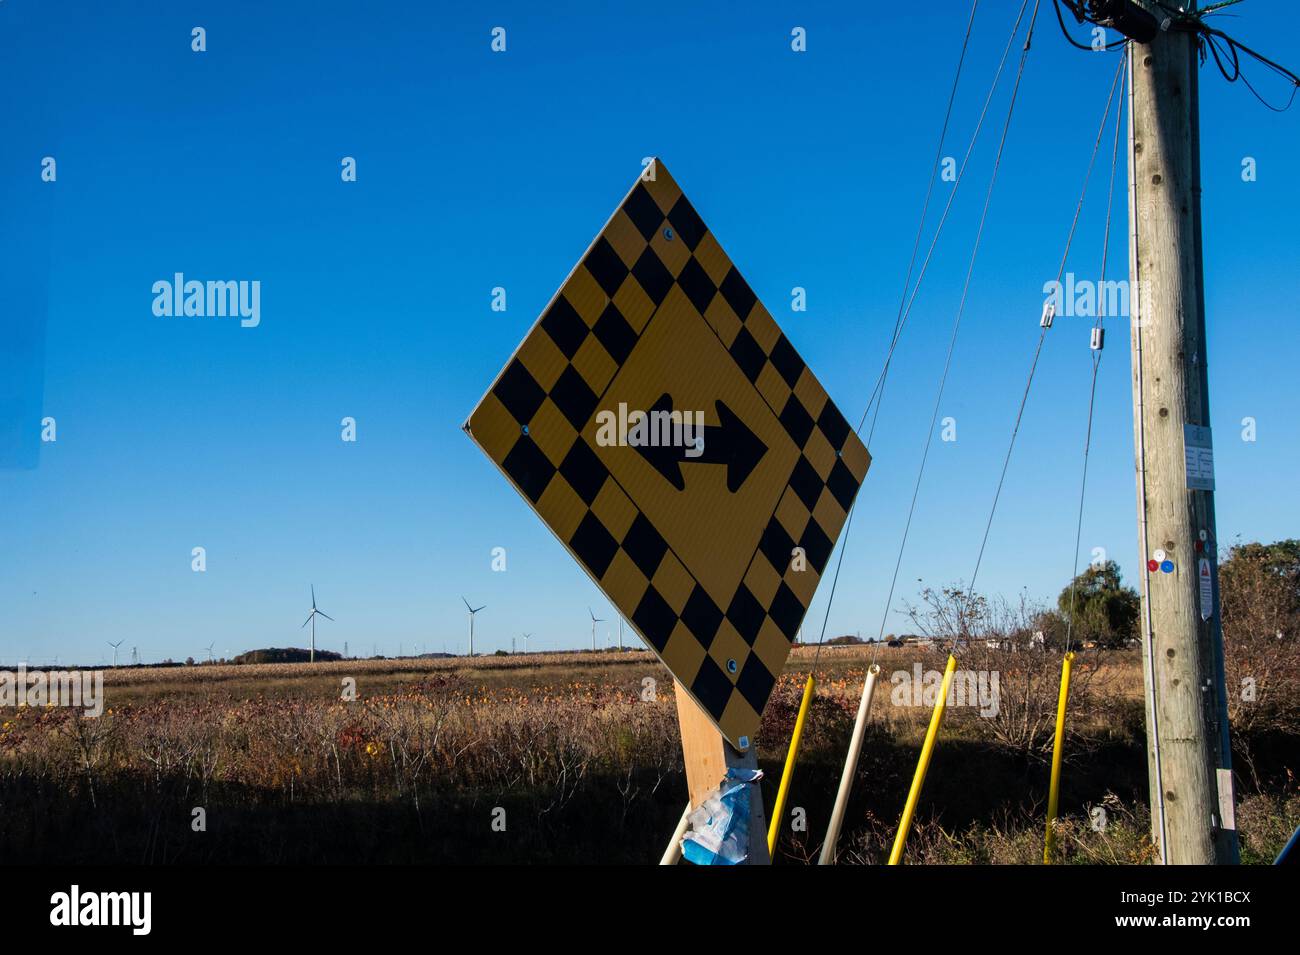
584 766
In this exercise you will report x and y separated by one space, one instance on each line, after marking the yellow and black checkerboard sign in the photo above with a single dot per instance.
713 551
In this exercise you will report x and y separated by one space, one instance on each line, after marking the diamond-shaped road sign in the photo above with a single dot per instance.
712 550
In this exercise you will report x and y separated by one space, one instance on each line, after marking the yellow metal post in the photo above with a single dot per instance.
905 824
1054 791
774 827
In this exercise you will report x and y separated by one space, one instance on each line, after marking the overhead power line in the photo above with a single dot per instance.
1045 324
901 319
1141 20
1097 344
988 196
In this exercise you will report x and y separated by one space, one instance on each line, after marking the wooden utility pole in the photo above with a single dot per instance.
1187 734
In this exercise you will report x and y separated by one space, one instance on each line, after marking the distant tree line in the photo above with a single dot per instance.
286 655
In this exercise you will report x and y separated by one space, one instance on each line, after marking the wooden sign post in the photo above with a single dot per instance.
708 756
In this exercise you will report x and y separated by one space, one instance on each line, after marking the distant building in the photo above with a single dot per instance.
912 640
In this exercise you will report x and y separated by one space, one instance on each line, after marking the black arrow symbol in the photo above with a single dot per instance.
728 442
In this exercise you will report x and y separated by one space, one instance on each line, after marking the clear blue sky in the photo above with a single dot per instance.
478 170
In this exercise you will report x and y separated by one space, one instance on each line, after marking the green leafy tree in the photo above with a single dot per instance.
1259 593
1097 606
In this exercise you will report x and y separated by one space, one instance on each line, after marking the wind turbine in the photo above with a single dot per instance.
620 633
114 646
472 612
311 619
594 620
526 636
209 649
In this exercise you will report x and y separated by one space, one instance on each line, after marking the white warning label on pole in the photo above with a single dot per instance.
1226 813
1198 450
1207 589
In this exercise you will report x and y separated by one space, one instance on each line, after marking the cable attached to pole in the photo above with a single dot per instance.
1045 324
905 310
1096 343
952 342
1142 22
936 718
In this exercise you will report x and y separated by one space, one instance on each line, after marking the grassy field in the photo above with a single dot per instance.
578 761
